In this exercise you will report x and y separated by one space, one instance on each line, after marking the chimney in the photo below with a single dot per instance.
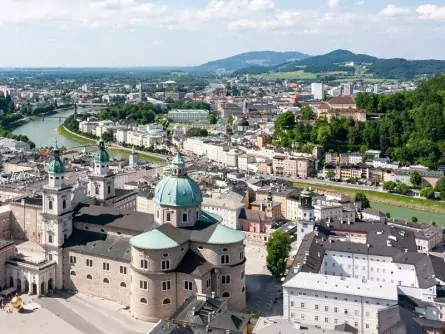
306 253
388 243
342 221
330 240
319 254
213 294
406 250
23 202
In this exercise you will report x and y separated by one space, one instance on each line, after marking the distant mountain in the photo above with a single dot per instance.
251 59
327 62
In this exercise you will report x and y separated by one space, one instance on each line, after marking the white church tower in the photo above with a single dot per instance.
133 159
57 214
101 180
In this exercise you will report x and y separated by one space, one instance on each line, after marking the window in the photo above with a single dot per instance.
109 189
89 263
326 319
50 205
157 213
225 294
73 273
72 259
168 217
356 312
326 309
50 257
242 274
64 204
144 264
200 247
316 306
166 301
97 190
225 279
367 314
165 264
106 266
316 318
292 304
225 259
123 270
89 276
335 321
123 285
184 218
106 280
241 255
208 283
188 285
165 255
50 238
335 310
225 249
367 325
302 305
143 285
346 311
167 285
143 301
356 324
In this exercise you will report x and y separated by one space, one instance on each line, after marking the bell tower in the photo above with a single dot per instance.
101 180
306 210
57 214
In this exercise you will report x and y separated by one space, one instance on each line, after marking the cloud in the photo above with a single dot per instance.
155 43
391 10
359 3
431 12
333 3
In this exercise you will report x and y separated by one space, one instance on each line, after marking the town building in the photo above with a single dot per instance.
341 106
188 115
178 252
317 91
292 167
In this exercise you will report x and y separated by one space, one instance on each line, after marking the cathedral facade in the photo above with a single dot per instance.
152 263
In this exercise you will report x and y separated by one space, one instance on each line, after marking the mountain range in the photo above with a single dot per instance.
249 59
335 61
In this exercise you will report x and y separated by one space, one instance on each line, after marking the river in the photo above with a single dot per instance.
44 133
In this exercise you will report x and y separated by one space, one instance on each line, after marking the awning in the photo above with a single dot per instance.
7 292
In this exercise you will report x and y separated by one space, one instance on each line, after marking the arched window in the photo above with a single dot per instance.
243 289
73 273
109 189
143 301
89 276
123 285
166 301
97 190
106 280
225 294
64 204
50 205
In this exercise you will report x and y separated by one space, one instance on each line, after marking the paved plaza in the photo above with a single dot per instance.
263 290
70 314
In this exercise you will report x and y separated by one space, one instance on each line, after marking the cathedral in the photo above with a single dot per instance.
151 263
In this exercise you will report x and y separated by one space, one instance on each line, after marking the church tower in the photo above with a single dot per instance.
133 159
57 214
101 180
306 210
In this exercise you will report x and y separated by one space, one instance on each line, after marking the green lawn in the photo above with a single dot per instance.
401 213
385 198
72 136
296 75
126 151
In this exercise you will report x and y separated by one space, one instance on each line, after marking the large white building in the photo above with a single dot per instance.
188 115
229 210
349 273
317 90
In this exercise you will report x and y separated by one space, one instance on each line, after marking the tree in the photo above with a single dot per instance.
330 174
285 121
324 135
440 186
278 248
307 113
196 132
297 104
389 185
415 178
212 118
428 192
388 215
107 136
402 188
230 120
361 197
414 219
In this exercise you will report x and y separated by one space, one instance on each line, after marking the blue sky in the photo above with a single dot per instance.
189 32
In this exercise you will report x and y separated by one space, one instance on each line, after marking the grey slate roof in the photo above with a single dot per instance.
101 244
397 320
193 264
132 221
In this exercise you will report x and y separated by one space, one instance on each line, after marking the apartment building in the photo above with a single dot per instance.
228 209
188 115
292 167
279 194
341 106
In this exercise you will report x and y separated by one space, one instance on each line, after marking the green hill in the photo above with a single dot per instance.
251 59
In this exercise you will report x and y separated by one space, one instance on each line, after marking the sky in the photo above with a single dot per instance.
109 33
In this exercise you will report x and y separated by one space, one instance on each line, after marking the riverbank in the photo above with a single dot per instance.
384 198
62 130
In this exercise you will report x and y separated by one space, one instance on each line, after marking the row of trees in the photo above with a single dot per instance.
411 130
143 113
196 132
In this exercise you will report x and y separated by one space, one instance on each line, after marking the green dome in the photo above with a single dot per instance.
178 191
56 165
223 235
153 239
102 154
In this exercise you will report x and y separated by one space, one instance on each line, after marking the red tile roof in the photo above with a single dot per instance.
342 100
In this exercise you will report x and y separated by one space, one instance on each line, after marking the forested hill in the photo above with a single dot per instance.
249 59
411 129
